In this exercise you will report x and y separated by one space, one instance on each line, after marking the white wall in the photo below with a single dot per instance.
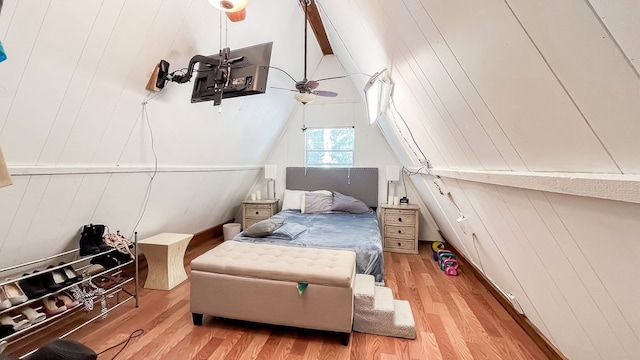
75 135
529 112
345 110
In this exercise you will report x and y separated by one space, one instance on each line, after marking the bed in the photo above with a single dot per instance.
308 282
345 230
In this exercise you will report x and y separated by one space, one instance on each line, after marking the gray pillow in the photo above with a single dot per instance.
349 204
263 228
317 202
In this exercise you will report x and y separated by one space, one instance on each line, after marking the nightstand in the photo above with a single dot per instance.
256 210
400 228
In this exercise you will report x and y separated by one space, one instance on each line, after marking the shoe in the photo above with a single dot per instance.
68 301
4 299
59 276
15 294
52 306
91 241
120 256
98 232
6 330
95 269
32 315
104 281
50 282
17 326
105 260
87 246
32 286
70 273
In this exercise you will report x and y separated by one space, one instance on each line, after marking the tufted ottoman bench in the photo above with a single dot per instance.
260 282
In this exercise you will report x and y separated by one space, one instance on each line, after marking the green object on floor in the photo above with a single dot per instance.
302 286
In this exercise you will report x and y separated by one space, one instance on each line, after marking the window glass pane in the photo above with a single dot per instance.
330 147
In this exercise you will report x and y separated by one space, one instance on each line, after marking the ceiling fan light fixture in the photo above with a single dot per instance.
229 5
304 97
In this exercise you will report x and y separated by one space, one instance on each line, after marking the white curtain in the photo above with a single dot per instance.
5 179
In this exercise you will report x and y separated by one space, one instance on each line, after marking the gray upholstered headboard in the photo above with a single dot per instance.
361 183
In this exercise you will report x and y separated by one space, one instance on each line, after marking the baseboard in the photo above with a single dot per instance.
198 238
207 234
538 338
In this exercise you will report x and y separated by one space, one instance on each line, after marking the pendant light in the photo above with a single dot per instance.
229 5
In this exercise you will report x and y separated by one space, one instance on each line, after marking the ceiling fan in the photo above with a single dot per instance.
307 88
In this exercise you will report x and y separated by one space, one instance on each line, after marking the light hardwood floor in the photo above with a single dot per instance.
456 318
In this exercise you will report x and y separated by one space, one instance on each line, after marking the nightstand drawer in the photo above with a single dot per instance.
399 218
400 231
394 244
257 211
251 221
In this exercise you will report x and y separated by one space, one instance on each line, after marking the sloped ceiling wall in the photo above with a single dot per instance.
528 110
81 147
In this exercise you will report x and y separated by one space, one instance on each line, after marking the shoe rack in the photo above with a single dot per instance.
67 289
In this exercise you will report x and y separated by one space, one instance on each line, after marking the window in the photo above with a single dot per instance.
330 147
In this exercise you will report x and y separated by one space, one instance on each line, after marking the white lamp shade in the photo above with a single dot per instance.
304 97
229 5
270 171
393 173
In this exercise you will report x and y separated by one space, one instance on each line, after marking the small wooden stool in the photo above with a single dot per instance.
165 258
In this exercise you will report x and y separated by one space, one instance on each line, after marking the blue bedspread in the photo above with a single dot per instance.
358 232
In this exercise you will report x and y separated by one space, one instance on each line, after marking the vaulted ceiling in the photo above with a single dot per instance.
527 109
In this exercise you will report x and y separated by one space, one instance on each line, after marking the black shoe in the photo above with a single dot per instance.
58 276
88 246
105 260
32 287
6 330
97 231
48 281
120 256
70 273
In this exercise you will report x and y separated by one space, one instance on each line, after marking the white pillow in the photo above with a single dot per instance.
292 199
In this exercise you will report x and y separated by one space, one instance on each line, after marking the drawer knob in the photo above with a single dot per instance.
399 244
399 231
400 219
257 213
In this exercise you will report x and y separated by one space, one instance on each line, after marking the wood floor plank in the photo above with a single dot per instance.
456 318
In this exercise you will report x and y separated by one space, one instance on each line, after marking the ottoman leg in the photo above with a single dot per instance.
344 338
197 318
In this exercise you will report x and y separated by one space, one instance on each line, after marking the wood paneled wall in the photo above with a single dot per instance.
523 90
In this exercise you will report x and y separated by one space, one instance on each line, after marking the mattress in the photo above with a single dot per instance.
357 232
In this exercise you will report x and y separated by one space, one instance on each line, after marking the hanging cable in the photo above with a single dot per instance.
393 105
145 117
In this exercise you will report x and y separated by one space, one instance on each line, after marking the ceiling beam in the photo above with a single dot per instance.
318 28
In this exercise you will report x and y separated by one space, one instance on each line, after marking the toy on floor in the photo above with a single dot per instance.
445 258
435 246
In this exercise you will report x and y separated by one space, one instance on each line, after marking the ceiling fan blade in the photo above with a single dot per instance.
325 93
279 88
312 84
